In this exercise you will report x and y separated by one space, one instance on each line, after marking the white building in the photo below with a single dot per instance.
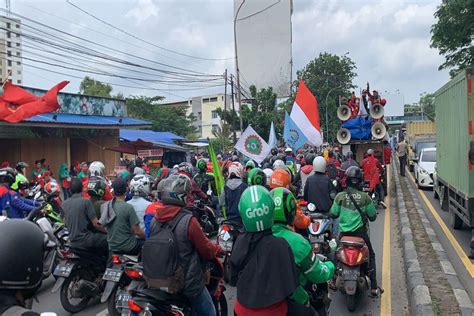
263 37
11 50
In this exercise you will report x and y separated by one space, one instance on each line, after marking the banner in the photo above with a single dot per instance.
293 135
272 139
252 145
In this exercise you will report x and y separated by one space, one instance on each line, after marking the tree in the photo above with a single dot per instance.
164 117
453 34
90 86
328 76
427 105
223 137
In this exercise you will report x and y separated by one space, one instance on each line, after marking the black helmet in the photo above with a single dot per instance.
21 250
354 177
174 190
308 158
7 175
20 165
96 186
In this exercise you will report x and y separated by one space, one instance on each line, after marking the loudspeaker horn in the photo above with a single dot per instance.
343 136
376 111
378 130
344 112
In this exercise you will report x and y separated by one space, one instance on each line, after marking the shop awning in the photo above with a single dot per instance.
82 121
197 144
149 136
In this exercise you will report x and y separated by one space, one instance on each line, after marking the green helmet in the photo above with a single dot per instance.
256 177
201 164
249 164
285 205
256 209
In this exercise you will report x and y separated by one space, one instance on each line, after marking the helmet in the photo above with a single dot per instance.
268 173
138 170
236 169
250 164
309 158
288 150
256 177
280 178
354 177
97 168
51 188
256 208
285 205
7 175
175 189
20 165
370 152
201 164
96 186
319 164
140 185
22 250
186 167
278 164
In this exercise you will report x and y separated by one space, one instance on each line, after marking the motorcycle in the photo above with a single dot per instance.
206 217
320 233
116 281
228 232
319 294
79 277
151 302
352 278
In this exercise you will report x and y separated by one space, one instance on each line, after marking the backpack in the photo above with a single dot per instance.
331 171
162 268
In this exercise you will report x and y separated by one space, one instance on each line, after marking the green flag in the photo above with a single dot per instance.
218 176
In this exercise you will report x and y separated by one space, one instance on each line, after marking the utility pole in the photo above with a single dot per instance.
233 105
239 96
225 96
8 7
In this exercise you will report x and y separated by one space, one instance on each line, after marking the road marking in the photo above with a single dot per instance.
103 313
462 255
386 303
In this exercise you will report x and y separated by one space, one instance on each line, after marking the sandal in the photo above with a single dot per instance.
376 292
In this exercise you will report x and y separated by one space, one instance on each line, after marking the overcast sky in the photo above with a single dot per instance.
388 40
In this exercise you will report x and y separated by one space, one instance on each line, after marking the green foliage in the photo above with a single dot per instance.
90 86
427 105
164 117
328 76
223 139
453 33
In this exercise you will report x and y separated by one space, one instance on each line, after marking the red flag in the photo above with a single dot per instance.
16 104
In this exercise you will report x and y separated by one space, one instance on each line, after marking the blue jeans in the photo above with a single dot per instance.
202 304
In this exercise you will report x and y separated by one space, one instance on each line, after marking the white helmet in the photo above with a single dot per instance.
288 150
319 164
140 185
268 172
97 168
278 164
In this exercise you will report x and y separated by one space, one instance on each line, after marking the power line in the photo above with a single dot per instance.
140 39
260 11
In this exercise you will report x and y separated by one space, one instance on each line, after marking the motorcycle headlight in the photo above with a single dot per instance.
422 171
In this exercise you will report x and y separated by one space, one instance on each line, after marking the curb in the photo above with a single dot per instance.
418 293
462 297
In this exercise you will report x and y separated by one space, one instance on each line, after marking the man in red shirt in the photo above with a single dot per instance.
372 169
387 152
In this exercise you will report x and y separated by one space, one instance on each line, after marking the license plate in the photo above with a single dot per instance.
112 275
122 300
350 274
63 269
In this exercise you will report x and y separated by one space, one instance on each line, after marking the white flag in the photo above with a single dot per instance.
272 140
252 145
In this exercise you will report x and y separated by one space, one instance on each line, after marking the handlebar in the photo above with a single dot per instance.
318 216
34 212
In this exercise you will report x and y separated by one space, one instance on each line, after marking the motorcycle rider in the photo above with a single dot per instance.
96 190
11 202
262 265
21 268
203 179
353 214
140 187
187 169
121 222
308 265
319 189
84 228
194 248
372 171
20 175
53 197
97 169
257 177
305 172
346 165
232 193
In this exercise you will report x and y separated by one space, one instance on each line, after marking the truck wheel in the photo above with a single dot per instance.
456 221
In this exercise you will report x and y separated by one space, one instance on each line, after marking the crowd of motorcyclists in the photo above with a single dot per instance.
272 261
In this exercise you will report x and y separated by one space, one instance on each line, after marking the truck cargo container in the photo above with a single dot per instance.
418 132
455 150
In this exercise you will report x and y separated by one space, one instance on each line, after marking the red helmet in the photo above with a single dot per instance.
51 188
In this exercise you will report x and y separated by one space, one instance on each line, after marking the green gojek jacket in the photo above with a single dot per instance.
310 268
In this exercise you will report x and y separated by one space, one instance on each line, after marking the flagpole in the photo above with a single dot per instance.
9 73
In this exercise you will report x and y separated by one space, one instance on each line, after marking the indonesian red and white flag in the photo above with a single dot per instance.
305 114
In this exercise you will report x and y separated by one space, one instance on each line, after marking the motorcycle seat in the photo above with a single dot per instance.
353 241
164 296
84 252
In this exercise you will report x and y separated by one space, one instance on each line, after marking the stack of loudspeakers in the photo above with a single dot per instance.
378 129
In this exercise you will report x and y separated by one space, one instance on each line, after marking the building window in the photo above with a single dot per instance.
9 34
215 128
9 53
222 98
9 80
18 63
213 99
18 72
206 100
17 44
18 54
17 26
214 114
199 116
199 130
17 34
18 81
8 25
9 44
9 63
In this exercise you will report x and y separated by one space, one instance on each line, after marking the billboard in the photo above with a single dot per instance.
263 37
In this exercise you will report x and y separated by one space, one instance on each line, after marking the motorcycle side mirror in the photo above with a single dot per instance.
311 207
